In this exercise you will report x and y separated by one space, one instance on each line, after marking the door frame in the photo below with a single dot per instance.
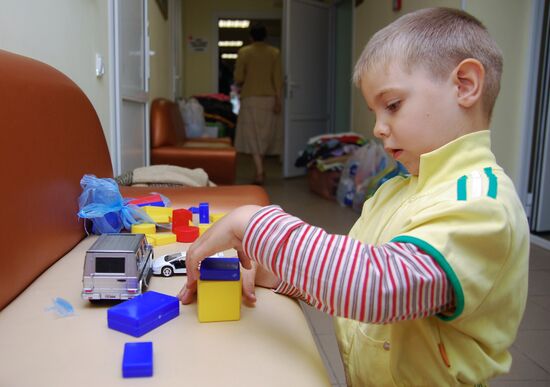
114 86
530 98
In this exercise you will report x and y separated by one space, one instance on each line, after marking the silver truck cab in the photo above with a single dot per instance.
117 267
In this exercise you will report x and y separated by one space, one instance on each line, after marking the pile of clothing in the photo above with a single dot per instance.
329 152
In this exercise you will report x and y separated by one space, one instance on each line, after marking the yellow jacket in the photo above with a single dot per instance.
463 210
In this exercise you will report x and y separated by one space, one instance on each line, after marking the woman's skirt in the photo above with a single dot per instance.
258 126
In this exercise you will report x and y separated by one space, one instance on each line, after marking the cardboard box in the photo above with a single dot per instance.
325 183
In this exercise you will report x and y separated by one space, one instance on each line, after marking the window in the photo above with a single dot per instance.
110 265
179 264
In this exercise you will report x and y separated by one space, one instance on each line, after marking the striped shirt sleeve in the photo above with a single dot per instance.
344 277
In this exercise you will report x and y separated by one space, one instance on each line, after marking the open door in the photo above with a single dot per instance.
307 42
131 76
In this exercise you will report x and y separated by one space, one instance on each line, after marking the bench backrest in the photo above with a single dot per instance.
51 137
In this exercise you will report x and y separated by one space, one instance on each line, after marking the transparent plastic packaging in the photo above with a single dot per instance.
102 203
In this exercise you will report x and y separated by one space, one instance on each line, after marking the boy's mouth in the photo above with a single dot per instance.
395 153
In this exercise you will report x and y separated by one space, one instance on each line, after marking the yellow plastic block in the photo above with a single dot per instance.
203 228
151 239
144 228
162 238
217 216
158 214
219 300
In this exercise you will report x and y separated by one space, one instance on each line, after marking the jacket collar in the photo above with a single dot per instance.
456 158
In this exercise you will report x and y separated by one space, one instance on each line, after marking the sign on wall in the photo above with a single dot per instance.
197 44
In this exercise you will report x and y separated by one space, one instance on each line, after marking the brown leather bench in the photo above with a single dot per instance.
170 146
55 137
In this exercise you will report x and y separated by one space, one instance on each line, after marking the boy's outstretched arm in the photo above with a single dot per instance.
334 273
343 276
225 234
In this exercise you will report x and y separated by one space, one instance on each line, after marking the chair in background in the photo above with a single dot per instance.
170 146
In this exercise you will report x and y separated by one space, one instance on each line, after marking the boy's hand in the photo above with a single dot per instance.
226 233
259 276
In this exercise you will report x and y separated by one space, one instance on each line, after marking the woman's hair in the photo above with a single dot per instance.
437 39
258 32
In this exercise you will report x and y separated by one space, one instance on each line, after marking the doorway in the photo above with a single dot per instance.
233 33
236 30
539 169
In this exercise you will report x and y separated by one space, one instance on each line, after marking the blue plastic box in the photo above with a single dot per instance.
137 360
143 313
220 269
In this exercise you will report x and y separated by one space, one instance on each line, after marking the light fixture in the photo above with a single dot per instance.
229 56
225 23
230 43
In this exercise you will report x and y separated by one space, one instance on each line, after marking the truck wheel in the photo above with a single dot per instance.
167 271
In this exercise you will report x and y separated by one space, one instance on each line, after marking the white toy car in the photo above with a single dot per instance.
170 264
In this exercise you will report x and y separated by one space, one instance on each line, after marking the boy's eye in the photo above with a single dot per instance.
393 107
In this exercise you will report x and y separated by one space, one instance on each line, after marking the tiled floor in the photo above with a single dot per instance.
531 351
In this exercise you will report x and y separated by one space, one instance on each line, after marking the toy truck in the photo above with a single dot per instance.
117 267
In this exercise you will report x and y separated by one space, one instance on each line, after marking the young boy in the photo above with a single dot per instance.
430 286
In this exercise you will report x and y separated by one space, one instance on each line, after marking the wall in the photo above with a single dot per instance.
199 21
343 65
159 42
508 116
65 34
498 16
369 17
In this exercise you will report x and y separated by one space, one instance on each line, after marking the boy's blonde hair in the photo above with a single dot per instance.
437 39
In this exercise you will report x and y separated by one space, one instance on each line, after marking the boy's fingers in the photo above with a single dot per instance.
249 290
187 293
245 261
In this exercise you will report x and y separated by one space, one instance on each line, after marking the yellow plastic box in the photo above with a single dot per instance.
219 300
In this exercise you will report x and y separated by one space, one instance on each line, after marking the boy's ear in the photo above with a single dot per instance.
469 77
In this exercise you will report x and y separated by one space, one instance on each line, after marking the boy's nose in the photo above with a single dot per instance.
381 130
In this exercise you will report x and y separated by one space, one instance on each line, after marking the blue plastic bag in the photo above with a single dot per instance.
102 203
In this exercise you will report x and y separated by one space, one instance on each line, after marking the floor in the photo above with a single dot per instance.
531 351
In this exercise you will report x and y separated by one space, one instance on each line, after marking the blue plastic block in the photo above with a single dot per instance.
194 210
154 204
143 313
137 360
204 213
220 269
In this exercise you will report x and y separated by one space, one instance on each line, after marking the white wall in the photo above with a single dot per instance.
65 34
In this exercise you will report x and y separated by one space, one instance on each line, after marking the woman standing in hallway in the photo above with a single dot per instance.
258 73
